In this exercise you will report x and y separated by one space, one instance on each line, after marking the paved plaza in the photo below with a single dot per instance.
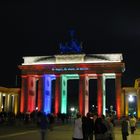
62 132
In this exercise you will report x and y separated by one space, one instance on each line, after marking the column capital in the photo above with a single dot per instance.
99 74
82 75
24 76
57 75
38 76
118 74
57 95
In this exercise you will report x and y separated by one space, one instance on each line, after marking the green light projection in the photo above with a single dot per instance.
64 78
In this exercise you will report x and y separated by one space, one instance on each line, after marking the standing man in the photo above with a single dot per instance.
124 128
43 126
88 127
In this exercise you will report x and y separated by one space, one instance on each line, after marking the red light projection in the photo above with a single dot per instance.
40 95
31 94
99 96
118 95
57 95
22 102
81 94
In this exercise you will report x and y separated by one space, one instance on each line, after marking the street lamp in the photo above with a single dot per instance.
131 98
72 109
132 104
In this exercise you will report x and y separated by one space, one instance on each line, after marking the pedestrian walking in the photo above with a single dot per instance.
95 116
100 129
51 121
124 128
132 122
110 129
43 126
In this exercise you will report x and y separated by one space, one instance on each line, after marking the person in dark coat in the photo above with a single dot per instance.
43 126
124 128
100 129
88 127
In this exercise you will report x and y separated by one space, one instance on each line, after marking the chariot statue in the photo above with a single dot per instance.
72 46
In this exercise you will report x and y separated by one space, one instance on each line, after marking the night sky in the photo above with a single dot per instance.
30 28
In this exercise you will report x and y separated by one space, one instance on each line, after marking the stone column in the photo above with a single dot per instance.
138 103
48 93
100 94
126 105
31 93
0 102
83 94
40 101
6 103
118 94
15 103
123 102
86 94
63 94
23 97
104 94
57 95
12 102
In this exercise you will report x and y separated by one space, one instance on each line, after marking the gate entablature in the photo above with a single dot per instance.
111 63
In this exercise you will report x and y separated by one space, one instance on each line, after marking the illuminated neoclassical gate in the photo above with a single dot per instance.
61 68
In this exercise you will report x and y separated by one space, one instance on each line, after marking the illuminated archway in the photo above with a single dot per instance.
62 68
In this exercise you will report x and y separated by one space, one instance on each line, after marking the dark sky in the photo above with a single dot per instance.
36 27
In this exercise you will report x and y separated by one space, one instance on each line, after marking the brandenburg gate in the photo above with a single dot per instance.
37 73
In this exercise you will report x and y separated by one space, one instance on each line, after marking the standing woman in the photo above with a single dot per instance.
78 131
132 124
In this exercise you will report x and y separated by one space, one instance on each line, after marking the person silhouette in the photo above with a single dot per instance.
43 126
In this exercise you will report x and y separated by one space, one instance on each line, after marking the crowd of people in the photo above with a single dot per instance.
89 127
94 127
10 118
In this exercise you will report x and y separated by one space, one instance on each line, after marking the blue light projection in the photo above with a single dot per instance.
73 46
48 92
